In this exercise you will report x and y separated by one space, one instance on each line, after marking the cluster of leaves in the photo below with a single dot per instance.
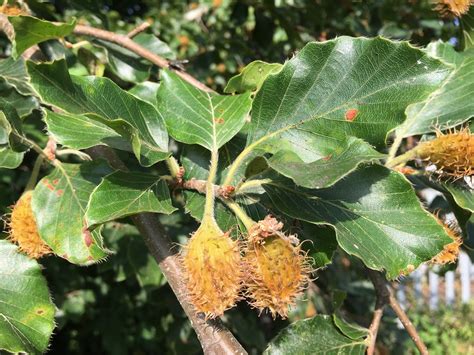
304 141
219 37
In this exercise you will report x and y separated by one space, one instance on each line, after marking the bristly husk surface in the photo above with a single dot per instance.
451 153
277 270
453 8
213 270
23 231
450 252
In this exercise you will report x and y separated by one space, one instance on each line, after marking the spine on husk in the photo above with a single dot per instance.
452 153
22 228
277 269
212 261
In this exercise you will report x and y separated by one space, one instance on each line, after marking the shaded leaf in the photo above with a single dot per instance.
14 73
451 104
26 310
146 91
322 243
123 194
350 330
64 128
341 158
144 265
59 204
463 196
10 159
129 66
468 29
317 335
375 212
30 31
24 105
197 117
102 100
252 77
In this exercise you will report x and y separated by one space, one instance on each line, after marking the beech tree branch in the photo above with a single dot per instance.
140 28
129 44
386 296
214 337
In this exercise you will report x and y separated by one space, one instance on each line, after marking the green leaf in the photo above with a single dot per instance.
30 31
341 157
463 196
197 117
146 91
14 73
306 113
129 66
102 100
375 212
324 81
323 243
59 204
63 127
467 21
144 265
252 77
24 105
123 194
318 335
350 330
10 159
26 310
448 106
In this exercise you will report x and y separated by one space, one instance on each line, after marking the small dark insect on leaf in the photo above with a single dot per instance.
178 64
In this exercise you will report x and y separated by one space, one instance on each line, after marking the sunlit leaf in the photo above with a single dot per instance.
26 310
252 77
123 194
30 31
197 117
59 204
318 335
102 100
451 104
375 212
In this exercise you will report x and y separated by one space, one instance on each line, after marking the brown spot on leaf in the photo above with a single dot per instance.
351 114
219 120
327 157
48 185
40 311
59 192
55 181
87 237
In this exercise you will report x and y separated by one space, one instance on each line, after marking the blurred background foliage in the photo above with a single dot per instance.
123 306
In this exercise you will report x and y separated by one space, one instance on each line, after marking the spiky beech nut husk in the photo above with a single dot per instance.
10 10
276 267
449 8
450 252
22 228
452 153
213 268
